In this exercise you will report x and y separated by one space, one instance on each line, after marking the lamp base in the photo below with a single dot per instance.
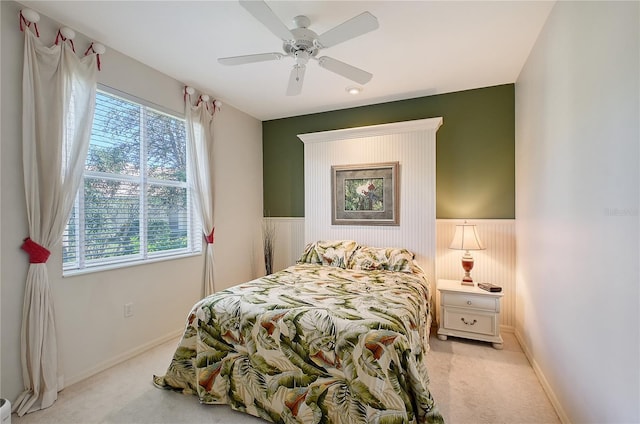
467 265
466 282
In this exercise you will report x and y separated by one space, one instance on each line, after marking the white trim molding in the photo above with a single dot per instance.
562 415
417 125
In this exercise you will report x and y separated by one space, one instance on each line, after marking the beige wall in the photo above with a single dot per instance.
577 160
91 327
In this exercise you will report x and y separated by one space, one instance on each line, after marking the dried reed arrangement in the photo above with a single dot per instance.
268 239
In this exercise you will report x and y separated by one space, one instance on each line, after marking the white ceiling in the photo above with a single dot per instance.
421 47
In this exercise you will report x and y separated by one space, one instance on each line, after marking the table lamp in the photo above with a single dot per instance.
466 238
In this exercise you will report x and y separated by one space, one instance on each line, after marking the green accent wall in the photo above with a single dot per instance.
475 151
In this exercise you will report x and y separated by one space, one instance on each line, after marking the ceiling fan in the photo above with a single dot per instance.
303 44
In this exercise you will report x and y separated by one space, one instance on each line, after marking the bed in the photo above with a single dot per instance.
340 337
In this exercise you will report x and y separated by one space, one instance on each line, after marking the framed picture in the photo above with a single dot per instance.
365 194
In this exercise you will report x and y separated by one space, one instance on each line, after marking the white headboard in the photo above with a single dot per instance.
413 145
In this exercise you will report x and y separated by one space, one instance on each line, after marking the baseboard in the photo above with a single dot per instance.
564 419
122 357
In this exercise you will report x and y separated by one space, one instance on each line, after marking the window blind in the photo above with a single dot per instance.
135 203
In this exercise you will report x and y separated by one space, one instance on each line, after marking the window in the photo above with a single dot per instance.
135 204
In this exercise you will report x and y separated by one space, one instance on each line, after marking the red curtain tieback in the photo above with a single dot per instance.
37 253
210 237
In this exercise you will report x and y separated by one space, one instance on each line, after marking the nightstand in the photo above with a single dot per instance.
469 312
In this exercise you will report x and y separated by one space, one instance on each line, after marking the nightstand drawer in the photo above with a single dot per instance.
461 320
464 300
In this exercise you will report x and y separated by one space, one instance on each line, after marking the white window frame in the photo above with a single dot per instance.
194 228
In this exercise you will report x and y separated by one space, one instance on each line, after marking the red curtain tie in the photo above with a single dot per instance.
63 38
24 22
37 253
210 237
91 50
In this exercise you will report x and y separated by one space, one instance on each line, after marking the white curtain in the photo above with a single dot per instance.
199 126
58 90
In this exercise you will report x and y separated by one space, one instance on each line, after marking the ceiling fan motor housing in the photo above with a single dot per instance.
304 40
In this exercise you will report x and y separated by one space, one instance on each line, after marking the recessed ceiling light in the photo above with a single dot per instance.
354 90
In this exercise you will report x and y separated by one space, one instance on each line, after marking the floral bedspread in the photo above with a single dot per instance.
312 344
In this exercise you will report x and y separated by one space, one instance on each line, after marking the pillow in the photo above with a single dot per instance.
328 252
309 255
400 260
376 258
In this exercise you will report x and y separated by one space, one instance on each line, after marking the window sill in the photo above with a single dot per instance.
119 265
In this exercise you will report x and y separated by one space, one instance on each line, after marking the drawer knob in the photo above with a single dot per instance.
468 302
468 322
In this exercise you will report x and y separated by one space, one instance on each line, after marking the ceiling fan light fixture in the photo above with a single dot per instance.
354 90
302 57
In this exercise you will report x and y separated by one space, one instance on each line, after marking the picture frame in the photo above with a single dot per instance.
366 194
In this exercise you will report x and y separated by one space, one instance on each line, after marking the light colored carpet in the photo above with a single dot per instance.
475 383
470 381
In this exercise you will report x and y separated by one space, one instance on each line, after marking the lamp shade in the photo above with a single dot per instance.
466 238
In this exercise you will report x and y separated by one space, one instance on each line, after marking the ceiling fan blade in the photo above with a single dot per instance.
346 70
265 15
295 80
250 58
352 28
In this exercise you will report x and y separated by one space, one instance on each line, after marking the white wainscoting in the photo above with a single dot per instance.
289 241
412 144
496 264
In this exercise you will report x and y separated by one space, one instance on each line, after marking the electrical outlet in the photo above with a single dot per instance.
128 310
